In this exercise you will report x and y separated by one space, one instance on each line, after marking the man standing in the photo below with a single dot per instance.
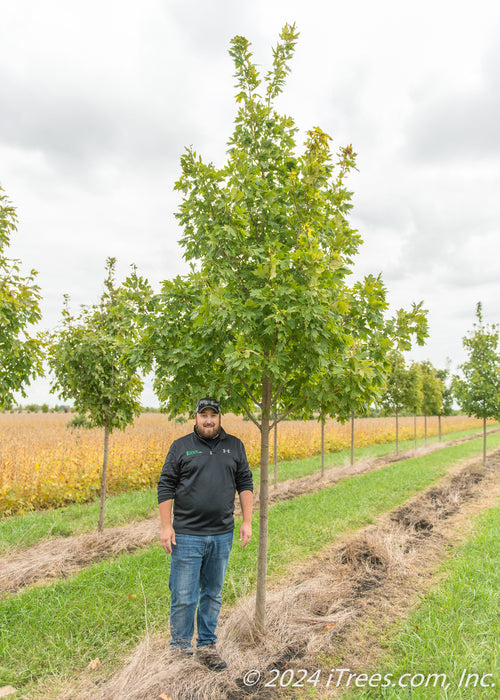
201 474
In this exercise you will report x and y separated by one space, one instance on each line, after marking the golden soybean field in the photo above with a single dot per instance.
44 464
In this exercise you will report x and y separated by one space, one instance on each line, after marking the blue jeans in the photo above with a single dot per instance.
197 570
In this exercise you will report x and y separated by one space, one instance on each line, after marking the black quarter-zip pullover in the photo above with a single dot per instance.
203 480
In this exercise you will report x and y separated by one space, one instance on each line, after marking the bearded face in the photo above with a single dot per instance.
208 423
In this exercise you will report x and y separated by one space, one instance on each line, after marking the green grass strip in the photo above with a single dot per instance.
100 612
449 647
76 519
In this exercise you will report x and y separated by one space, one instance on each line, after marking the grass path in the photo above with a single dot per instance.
314 614
57 629
455 631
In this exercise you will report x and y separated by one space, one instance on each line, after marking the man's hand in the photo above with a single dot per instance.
167 534
245 533
246 501
167 538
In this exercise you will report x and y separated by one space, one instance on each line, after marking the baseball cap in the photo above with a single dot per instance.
208 403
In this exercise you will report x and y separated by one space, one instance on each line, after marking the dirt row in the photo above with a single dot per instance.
321 611
57 558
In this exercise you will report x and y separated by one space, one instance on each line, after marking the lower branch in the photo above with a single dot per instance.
287 413
252 417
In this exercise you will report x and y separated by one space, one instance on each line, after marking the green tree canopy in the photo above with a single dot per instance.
432 390
448 396
415 386
95 358
402 389
265 317
20 352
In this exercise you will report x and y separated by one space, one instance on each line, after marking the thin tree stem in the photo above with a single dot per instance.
104 473
260 596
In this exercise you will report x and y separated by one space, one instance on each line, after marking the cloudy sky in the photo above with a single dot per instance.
100 98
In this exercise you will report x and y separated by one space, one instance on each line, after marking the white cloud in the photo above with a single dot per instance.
99 101
463 123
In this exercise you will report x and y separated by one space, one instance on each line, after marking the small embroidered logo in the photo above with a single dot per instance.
226 452
193 452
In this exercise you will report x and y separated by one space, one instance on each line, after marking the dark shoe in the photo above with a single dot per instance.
208 656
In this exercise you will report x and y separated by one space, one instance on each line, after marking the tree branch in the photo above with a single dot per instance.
257 403
287 413
252 417
280 388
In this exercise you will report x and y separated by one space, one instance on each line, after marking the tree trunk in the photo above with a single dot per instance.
425 430
260 596
439 427
397 433
275 450
322 443
104 474
352 438
484 442
414 431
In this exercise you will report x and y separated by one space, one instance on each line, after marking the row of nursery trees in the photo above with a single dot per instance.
265 319
417 389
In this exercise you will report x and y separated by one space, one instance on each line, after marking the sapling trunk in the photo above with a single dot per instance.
322 443
260 596
104 474
352 438
484 442
275 450
397 433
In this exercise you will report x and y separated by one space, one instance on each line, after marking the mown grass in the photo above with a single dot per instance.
455 631
75 519
55 630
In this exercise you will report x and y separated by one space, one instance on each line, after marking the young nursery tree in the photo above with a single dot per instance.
447 395
478 389
348 390
416 397
20 352
265 312
401 390
351 386
432 392
95 361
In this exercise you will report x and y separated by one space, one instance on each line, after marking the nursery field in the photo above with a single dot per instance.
347 563
44 463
